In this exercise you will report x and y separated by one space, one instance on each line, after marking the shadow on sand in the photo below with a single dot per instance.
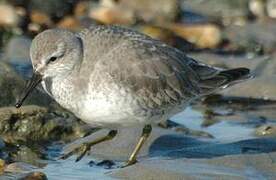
175 146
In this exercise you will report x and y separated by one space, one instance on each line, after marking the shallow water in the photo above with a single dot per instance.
229 137
68 169
224 131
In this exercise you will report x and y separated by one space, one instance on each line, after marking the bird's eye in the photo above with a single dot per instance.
52 59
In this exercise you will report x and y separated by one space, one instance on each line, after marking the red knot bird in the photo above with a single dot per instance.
114 77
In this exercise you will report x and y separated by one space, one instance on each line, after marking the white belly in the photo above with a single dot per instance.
112 107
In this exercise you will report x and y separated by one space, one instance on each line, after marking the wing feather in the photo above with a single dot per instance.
159 79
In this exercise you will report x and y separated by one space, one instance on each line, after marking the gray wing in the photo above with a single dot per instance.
157 74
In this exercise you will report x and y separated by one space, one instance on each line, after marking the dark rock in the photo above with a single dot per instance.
2 144
11 86
55 9
184 130
31 155
4 154
36 124
5 35
106 164
92 163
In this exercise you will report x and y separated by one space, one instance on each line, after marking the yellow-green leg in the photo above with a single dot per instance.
145 134
84 148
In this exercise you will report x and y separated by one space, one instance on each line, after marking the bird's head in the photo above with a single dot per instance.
54 53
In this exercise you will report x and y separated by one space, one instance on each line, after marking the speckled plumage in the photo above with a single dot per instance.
110 76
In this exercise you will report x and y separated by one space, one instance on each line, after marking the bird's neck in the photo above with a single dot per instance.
62 90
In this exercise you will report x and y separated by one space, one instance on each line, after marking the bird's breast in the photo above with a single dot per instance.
62 91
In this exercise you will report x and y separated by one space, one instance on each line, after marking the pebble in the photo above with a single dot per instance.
34 176
40 18
266 130
158 33
19 167
271 8
8 16
2 166
202 35
69 22
81 9
92 163
158 12
128 12
106 164
257 8
112 15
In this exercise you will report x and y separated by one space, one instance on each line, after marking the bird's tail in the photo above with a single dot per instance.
212 79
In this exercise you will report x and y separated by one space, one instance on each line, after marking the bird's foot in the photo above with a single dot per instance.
85 147
81 150
129 163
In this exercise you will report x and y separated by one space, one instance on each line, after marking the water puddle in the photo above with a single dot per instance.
69 169
223 131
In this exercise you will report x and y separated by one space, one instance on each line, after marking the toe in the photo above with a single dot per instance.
85 150
66 156
129 163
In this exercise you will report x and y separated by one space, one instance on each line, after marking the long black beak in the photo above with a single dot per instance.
30 86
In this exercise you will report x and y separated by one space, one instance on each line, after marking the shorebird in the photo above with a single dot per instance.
111 77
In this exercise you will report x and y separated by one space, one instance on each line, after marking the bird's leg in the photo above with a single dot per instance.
85 147
145 134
